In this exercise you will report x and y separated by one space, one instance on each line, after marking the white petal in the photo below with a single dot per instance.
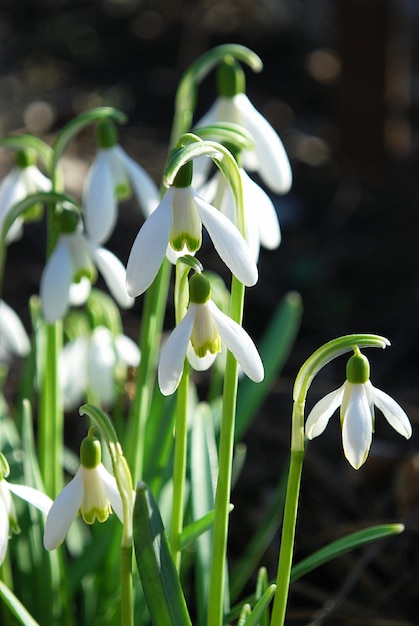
79 292
101 366
72 369
127 350
4 530
239 343
12 331
173 353
111 490
114 275
63 512
273 164
149 248
356 424
261 207
33 496
229 243
200 364
55 283
145 189
321 413
99 199
393 412
35 180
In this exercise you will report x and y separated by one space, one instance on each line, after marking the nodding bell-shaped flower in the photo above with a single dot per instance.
178 221
356 398
13 337
110 178
91 364
204 327
268 158
8 519
75 257
261 219
93 492
22 180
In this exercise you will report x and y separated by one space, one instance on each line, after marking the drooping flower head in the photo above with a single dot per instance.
178 221
92 492
75 257
110 179
268 158
23 179
203 328
13 337
356 399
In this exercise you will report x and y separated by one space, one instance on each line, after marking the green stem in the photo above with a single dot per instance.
179 469
222 494
127 615
151 327
288 531
51 421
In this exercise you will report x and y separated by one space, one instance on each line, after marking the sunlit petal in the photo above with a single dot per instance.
63 512
55 283
200 364
149 247
73 373
260 207
321 413
101 365
114 275
127 350
356 424
12 331
273 164
111 490
40 500
393 412
239 343
99 199
173 353
229 243
4 530
146 191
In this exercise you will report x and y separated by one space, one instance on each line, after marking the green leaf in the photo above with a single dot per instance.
274 349
341 546
159 579
259 610
16 606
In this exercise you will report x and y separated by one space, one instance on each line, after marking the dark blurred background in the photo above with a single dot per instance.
341 86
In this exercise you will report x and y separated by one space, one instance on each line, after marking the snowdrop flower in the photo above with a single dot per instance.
204 327
93 492
262 225
110 178
76 256
13 337
356 398
92 364
8 519
178 220
268 158
23 179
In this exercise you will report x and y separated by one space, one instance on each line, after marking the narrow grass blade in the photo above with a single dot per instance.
159 579
16 607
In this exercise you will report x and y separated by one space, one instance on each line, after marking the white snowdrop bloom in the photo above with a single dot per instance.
19 183
93 492
111 177
261 219
92 363
232 105
75 256
356 399
13 337
204 327
178 221
8 519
